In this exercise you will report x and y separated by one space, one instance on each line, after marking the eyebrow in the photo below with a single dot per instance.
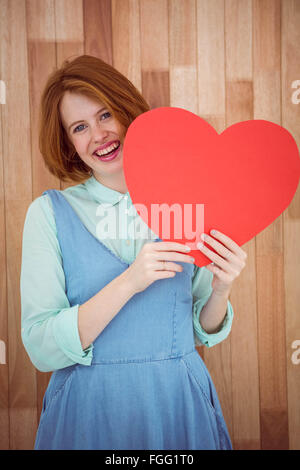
76 122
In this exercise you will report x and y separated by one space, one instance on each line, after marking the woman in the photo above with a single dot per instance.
115 318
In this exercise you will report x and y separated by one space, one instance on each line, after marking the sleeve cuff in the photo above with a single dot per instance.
66 334
201 337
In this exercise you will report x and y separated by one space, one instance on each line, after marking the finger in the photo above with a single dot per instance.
218 260
166 255
171 246
213 269
168 266
221 275
219 248
229 243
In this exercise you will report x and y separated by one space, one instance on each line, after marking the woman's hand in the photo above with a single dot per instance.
226 267
154 261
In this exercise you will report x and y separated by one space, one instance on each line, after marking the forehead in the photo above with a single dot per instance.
72 104
73 98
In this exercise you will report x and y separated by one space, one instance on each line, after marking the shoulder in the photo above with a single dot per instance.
40 220
40 213
40 209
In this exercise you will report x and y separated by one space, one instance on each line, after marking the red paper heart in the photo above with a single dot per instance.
245 177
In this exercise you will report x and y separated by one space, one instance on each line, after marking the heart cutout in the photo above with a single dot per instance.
243 178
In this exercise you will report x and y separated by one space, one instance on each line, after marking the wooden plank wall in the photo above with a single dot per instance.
225 60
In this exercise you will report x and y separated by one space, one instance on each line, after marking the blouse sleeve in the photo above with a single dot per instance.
201 290
49 326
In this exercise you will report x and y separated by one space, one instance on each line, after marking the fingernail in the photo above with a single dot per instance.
188 248
200 245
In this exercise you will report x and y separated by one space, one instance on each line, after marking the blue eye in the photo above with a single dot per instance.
106 113
75 130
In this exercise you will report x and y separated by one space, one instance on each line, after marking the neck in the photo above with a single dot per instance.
117 184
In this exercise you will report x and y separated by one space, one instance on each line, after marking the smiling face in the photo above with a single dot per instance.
89 125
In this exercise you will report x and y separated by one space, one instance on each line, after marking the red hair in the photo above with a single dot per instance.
98 80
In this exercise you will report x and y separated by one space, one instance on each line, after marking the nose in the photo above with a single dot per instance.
99 133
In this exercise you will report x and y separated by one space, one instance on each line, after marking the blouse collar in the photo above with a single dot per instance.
102 194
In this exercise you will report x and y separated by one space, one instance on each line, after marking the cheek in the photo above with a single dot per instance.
80 144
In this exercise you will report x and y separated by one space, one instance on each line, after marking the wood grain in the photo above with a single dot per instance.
290 71
244 360
269 243
18 191
4 378
69 33
155 52
41 61
98 29
183 55
211 62
127 40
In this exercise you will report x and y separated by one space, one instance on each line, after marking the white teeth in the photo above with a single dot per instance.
100 153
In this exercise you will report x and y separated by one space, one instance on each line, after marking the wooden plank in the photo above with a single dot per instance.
239 107
17 187
41 62
290 70
69 37
266 60
126 40
183 55
246 435
238 44
211 62
155 54
98 29
4 403
269 243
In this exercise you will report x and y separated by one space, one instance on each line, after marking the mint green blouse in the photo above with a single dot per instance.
49 326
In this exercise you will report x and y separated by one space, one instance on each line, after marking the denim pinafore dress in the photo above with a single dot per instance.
147 387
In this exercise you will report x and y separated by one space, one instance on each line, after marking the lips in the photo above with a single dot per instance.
104 146
110 155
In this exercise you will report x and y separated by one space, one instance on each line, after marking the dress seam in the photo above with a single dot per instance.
150 359
221 431
200 386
